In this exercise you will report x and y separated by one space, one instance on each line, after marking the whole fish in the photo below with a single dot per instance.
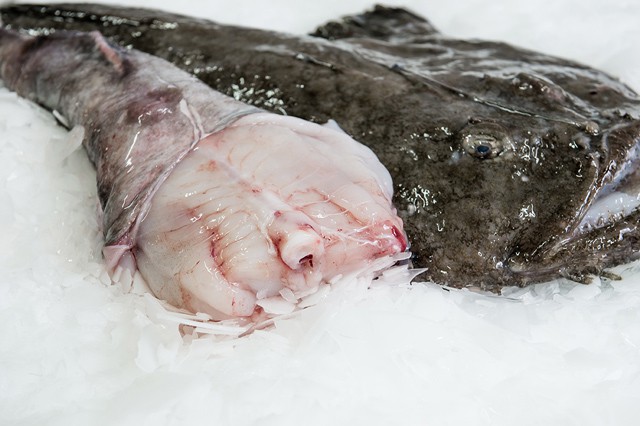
224 208
510 166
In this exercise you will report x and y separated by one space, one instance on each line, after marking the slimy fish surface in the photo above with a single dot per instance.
510 166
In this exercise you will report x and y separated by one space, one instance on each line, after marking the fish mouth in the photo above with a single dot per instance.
597 237
615 194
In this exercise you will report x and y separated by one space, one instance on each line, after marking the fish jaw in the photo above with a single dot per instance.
617 193
268 205
603 232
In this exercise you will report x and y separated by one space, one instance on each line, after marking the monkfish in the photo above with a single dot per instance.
219 204
510 166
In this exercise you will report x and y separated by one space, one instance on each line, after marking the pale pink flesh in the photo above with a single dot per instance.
268 203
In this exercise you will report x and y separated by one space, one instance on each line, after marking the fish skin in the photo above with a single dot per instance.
201 193
486 219
69 74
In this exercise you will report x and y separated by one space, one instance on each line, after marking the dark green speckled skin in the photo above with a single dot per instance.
496 152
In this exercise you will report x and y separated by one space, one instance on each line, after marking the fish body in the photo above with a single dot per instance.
217 203
510 166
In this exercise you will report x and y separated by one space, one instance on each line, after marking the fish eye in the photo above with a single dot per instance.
482 146
483 149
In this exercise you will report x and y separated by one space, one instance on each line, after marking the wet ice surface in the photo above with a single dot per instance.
75 350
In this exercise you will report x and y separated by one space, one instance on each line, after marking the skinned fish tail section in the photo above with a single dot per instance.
268 208
223 208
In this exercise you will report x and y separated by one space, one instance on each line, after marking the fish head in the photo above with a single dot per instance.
509 194
264 212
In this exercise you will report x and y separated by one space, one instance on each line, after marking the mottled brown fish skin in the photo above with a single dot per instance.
496 152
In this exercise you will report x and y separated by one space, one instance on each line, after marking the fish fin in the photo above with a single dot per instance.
383 23
112 54
119 256
610 275
577 277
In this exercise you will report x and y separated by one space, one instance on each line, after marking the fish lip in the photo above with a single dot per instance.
606 184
